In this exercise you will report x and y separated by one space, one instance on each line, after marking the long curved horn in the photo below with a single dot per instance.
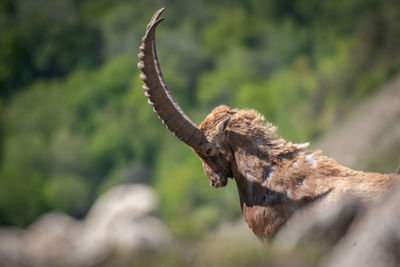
158 95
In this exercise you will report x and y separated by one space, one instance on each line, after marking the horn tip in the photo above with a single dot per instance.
158 13
155 19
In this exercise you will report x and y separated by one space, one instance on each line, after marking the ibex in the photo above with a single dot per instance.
274 177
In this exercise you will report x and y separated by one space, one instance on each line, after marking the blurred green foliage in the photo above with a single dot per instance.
74 120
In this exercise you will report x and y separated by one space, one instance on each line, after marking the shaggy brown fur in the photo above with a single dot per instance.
275 178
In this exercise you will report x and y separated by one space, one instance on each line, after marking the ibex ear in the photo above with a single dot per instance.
222 126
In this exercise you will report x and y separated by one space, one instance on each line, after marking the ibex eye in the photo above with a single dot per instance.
208 151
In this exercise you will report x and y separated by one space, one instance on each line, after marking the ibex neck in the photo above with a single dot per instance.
271 191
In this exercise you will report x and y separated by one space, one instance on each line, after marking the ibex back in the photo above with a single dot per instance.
275 178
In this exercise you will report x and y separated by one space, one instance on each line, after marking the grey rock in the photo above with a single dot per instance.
375 241
119 224
327 224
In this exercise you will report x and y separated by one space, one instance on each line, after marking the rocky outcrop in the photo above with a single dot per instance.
354 234
328 224
119 224
375 241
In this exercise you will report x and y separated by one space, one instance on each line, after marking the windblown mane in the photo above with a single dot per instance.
249 126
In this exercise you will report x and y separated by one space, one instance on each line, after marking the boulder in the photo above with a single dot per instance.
375 241
121 222
12 250
52 239
119 225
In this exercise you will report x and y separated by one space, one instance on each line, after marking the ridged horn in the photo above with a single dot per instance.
159 96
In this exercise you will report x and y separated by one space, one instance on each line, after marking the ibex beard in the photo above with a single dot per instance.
275 178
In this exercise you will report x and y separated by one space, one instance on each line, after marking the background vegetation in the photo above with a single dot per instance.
74 121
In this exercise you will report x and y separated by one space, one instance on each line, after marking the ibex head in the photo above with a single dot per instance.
208 140
218 157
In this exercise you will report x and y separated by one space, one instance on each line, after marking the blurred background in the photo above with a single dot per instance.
74 123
